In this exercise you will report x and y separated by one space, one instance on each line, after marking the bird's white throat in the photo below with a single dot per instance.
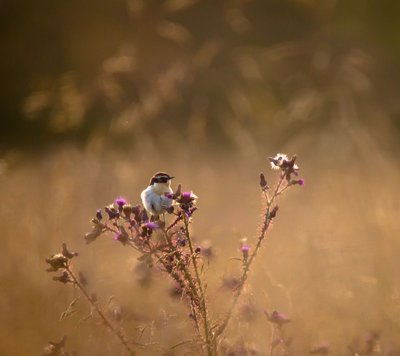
161 188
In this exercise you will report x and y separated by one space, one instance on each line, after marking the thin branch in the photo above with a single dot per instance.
100 313
265 225
203 306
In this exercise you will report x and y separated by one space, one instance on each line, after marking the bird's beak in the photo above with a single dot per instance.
171 178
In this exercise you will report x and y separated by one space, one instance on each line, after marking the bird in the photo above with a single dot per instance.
157 197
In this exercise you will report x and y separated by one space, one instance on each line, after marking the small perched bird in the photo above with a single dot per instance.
155 197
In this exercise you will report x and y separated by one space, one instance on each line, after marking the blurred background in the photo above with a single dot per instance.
99 95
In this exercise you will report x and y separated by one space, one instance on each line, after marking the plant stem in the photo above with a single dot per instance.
265 225
194 298
203 306
185 271
272 347
100 313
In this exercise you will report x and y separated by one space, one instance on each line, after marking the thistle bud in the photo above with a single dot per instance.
99 215
245 250
273 212
144 217
64 278
277 318
178 191
112 212
263 182
127 209
136 211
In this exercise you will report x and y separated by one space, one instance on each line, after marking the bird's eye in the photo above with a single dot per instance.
161 179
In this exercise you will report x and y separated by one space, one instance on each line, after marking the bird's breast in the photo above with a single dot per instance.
161 189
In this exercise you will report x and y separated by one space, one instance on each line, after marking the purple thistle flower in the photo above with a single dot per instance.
116 236
187 197
245 250
297 181
121 236
186 201
151 225
120 201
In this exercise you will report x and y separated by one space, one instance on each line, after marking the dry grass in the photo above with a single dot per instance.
206 93
330 262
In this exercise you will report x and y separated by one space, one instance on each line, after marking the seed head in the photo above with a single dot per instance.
56 262
68 254
277 161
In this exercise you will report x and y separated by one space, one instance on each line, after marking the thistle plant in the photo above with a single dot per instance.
61 262
166 243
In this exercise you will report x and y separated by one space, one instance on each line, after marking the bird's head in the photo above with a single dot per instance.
161 178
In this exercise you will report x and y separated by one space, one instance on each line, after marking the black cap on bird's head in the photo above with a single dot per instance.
160 177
